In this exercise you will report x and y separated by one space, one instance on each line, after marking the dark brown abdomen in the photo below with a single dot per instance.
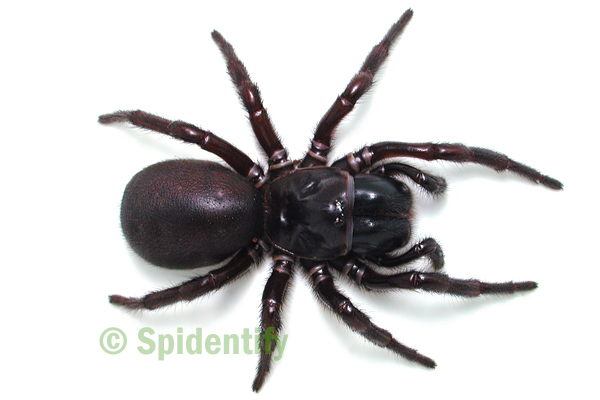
190 213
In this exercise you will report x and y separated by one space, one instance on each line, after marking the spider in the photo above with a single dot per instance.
352 216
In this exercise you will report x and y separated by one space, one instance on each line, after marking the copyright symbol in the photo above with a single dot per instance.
113 340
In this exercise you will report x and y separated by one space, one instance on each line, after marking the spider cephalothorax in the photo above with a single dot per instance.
348 216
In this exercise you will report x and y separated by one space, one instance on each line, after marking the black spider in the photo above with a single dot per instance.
349 216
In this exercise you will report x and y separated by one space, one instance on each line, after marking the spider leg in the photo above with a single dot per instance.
208 141
195 287
360 83
250 96
429 248
369 155
428 281
272 300
355 319
435 185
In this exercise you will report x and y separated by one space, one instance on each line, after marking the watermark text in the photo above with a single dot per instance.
114 341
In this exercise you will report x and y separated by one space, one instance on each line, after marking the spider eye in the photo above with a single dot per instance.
338 210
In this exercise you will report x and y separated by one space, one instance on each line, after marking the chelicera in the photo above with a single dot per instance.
352 216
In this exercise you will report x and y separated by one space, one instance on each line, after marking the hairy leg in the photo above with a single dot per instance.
195 287
355 319
435 185
208 141
428 281
426 248
369 155
272 301
252 101
359 85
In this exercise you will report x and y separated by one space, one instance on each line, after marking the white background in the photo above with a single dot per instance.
519 77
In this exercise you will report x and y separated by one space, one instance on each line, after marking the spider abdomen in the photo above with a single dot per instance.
190 213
